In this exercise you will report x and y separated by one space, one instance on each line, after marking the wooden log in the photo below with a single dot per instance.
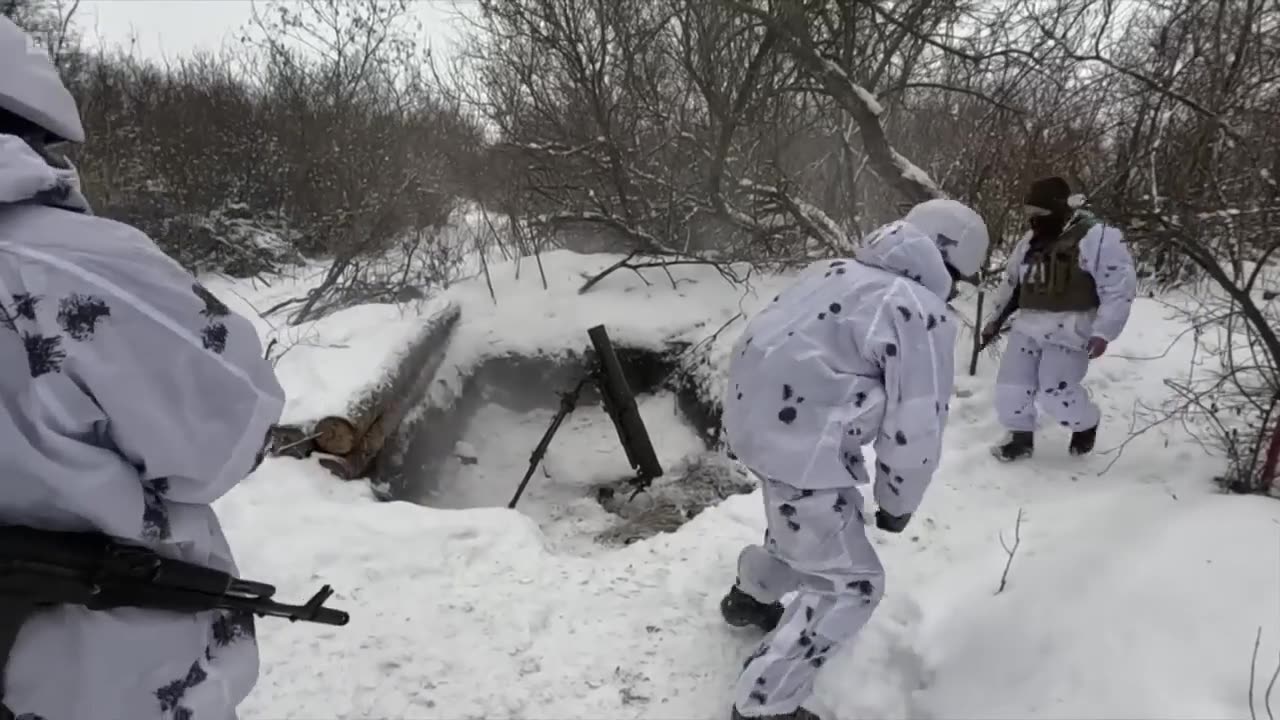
356 462
335 435
353 440
383 412
338 466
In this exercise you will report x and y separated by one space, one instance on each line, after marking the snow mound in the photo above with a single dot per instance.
326 364
648 309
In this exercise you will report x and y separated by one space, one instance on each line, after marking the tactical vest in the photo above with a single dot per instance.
1054 280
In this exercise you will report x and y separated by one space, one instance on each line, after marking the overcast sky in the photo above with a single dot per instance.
171 28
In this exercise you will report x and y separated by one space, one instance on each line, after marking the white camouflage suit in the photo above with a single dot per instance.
1046 358
130 400
855 352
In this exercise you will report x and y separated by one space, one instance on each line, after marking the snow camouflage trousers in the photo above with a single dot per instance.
1046 374
816 545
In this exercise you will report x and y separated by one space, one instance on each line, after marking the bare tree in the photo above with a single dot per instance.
676 126
1196 180
763 131
50 21
321 137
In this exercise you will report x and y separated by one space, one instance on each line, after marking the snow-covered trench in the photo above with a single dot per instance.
474 449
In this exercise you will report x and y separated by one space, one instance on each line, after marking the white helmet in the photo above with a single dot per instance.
960 233
30 87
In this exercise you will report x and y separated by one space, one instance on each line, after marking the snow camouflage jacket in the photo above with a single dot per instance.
1105 257
855 352
130 399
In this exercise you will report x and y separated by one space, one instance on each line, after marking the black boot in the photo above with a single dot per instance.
799 714
1020 445
740 610
1082 441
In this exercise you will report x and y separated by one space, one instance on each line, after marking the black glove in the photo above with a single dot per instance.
891 523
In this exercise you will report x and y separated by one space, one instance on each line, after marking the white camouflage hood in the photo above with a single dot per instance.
27 176
31 88
901 248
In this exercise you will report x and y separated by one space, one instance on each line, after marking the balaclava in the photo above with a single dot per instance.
39 139
1048 207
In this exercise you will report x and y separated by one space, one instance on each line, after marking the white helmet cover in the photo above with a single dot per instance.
960 233
31 88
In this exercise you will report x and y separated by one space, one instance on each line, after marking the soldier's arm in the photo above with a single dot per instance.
919 375
187 396
1106 257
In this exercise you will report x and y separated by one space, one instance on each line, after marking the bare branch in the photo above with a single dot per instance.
1010 551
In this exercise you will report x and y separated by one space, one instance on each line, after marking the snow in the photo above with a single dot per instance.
913 172
585 452
873 105
640 313
325 364
1136 589
329 362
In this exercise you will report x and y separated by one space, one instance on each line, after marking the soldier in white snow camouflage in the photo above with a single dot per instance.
1069 285
856 352
130 400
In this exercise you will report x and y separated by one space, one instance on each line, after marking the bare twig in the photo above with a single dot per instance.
1266 699
301 441
1135 434
1253 671
1010 551
707 341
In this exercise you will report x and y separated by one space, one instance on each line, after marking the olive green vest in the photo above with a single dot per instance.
1054 280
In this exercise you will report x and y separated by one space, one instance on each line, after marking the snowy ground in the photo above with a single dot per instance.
1134 593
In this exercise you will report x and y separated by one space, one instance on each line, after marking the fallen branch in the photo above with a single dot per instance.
664 262
591 282
1275 675
1253 671
705 342
1135 433
1010 551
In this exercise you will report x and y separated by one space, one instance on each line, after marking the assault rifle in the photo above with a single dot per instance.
45 567
1009 309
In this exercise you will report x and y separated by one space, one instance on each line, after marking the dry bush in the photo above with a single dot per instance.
319 137
1197 185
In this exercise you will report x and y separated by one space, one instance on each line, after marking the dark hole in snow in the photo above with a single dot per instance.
474 452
